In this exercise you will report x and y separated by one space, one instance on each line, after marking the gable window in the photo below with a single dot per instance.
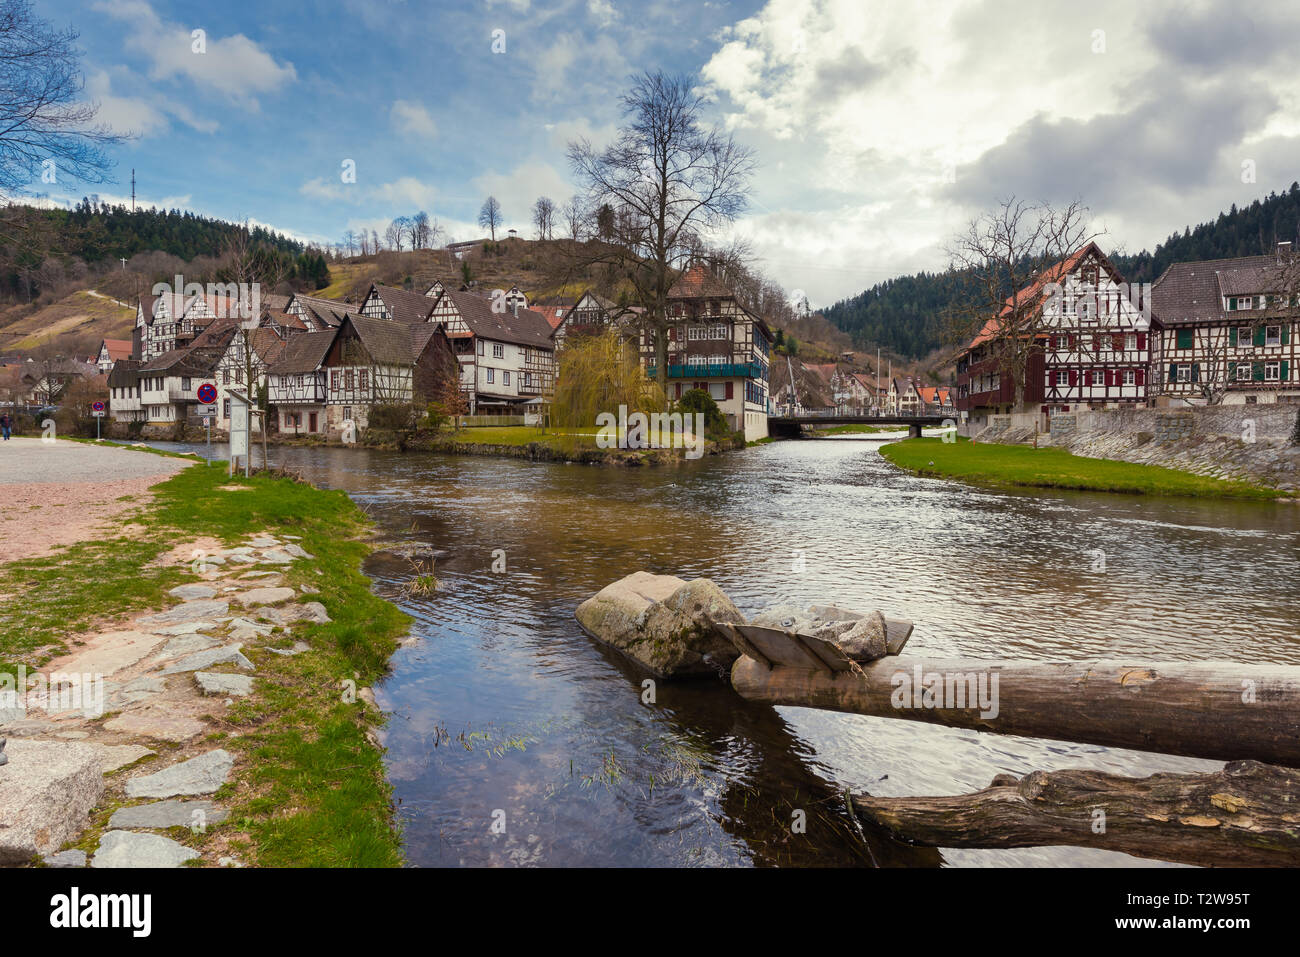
498 351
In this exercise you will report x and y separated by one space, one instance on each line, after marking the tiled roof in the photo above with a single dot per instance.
1190 291
124 373
698 282
391 342
117 348
302 353
528 328
405 305
1032 292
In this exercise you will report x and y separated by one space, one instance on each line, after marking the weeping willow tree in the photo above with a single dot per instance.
598 373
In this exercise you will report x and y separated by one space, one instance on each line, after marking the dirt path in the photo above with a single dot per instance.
58 493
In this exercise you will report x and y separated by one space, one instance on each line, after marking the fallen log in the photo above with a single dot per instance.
1217 710
1248 814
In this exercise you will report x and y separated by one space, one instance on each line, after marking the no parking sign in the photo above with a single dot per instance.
207 393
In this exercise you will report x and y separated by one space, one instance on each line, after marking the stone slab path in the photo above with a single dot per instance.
163 679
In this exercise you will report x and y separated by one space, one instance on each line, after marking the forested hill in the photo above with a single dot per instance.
903 315
92 231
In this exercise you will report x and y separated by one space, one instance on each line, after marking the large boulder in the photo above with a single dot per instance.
46 790
664 623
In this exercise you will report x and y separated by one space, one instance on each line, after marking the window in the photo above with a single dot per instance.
716 360
1061 343
361 379
505 377
1243 337
480 348
334 379
1130 377
490 379
1273 335
239 376
694 333
1243 372
1184 373
1130 341
696 360
1272 371
498 351
225 409
1183 339
1062 377
715 307
348 379
185 383
719 332
225 377
1098 377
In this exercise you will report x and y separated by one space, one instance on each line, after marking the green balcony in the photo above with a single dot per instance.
741 370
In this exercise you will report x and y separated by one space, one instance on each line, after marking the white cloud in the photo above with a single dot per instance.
142 116
518 189
412 119
602 11
403 195
234 66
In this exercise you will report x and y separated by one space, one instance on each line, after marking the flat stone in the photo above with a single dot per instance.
241 629
228 654
73 735
239 550
192 592
46 791
27 727
276 556
185 645
264 541
153 721
312 611
264 596
185 628
144 683
189 611
297 551
243 559
109 653
212 560
200 775
221 684
129 849
298 648
161 814
268 575
316 612
65 859
115 756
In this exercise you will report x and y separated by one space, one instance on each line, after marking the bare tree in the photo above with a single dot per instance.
670 182
350 242
44 123
489 217
420 231
543 216
1008 255
573 214
396 233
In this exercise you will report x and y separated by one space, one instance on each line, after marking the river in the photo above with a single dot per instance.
517 740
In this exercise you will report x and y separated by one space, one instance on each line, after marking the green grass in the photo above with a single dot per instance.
858 429
309 787
1020 465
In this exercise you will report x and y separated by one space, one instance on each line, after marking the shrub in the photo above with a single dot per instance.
394 416
715 423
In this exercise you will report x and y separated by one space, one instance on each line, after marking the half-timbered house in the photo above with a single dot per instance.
1229 330
717 345
110 350
296 386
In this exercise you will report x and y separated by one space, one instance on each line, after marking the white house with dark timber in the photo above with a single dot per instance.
296 387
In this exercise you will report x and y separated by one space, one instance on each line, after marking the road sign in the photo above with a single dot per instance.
98 407
206 410
207 393
98 413
207 420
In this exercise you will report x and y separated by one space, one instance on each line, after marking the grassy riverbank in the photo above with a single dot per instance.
1020 465
308 787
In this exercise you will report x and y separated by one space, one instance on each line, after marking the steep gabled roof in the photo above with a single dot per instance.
124 373
526 328
303 353
390 342
404 305
698 282
1190 291
117 348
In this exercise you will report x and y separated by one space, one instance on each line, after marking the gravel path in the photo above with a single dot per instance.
58 493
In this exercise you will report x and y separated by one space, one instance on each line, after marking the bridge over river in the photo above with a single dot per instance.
786 425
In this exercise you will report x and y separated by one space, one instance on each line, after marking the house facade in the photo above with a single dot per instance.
718 346
110 351
296 384
1229 330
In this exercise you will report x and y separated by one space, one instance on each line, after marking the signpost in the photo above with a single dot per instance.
97 410
208 396
239 420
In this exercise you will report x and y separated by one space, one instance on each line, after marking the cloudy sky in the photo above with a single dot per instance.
881 126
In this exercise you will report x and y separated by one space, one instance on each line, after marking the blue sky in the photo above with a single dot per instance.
880 127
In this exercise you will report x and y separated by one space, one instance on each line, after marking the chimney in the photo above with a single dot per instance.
1284 251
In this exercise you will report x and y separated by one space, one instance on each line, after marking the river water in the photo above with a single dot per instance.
515 739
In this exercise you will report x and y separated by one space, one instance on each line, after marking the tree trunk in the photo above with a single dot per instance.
1219 710
1248 814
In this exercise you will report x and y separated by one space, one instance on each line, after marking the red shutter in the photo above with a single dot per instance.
729 387
672 333
1142 341
1141 375
1117 342
1073 341
679 390
1074 376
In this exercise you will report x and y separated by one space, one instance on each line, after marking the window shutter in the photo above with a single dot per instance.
1286 371
1257 371
1259 335
1117 342
1232 337
1232 371
1286 336
1173 372
1074 377
1196 372
730 385
1141 377
1142 341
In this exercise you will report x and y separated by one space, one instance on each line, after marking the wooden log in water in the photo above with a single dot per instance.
1248 814
1217 710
